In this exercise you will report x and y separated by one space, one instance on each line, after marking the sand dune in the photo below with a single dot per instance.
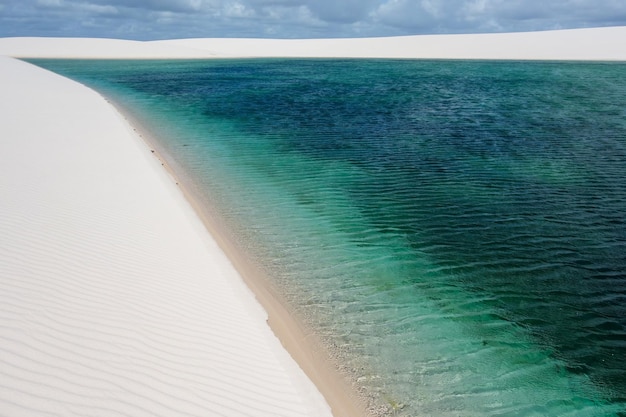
94 48
605 44
115 300
581 44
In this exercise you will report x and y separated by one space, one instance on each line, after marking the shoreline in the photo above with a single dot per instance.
116 296
304 346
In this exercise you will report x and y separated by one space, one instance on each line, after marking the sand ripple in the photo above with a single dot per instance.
115 301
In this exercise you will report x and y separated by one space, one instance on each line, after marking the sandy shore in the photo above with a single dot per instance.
115 298
596 44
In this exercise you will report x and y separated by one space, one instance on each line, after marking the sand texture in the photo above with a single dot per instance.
115 300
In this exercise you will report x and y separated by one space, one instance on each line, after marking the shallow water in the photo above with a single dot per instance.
455 230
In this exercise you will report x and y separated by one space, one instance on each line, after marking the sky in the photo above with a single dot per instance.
168 19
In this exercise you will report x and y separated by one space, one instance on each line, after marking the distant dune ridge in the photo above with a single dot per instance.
597 44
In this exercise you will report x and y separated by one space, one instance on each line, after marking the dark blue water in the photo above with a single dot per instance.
455 231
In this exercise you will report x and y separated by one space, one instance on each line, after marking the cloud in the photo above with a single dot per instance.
434 16
96 9
50 3
453 16
154 19
176 6
236 9
346 11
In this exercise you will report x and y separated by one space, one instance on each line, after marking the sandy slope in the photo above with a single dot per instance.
114 300
580 44
94 48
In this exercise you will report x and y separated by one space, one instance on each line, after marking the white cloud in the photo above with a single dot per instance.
431 7
346 11
476 6
235 9
407 14
177 6
50 3
97 9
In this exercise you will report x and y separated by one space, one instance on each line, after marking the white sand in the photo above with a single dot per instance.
114 299
605 44
94 48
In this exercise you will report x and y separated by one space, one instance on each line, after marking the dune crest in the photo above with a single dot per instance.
594 44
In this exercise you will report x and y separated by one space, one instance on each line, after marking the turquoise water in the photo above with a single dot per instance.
455 231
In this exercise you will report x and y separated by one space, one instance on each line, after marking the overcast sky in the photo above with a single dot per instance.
161 19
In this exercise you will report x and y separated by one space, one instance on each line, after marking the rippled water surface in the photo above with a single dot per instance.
456 230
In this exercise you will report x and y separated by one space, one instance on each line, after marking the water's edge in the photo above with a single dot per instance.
314 357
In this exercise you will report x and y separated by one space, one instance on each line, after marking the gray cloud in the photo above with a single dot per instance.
154 19
345 11
179 6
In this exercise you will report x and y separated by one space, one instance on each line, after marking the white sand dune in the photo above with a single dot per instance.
580 44
595 44
114 299
605 44
33 47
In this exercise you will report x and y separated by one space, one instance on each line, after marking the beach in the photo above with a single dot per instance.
117 296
